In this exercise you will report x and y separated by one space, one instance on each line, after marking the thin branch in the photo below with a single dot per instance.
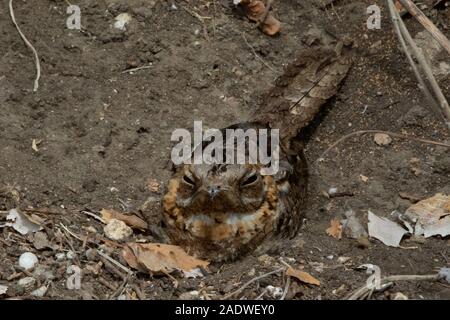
387 281
426 23
29 45
256 55
439 103
250 282
445 108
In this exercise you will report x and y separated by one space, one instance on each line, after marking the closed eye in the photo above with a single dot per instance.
188 180
249 180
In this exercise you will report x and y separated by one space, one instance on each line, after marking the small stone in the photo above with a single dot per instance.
343 260
399 296
91 254
332 191
382 139
40 292
363 242
122 20
60 256
192 295
26 283
28 260
274 292
70 255
117 230
3 289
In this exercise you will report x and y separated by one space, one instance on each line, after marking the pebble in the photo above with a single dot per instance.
399 296
40 292
191 295
382 139
70 255
60 256
274 292
26 283
117 230
28 260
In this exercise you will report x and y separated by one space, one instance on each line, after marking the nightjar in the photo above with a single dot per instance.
222 211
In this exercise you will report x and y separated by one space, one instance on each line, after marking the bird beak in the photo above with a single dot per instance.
213 191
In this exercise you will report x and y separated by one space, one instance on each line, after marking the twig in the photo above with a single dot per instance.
396 19
441 105
286 288
426 23
70 232
397 135
137 69
384 282
250 282
93 215
114 262
201 19
29 45
256 55
119 289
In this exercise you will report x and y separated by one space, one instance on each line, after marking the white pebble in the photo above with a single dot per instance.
332 190
60 256
275 292
70 254
28 260
121 21
40 292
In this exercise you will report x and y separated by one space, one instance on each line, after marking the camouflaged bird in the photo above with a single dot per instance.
222 211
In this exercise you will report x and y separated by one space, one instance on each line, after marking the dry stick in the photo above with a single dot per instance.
426 23
201 19
395 18
114 262
256 55
445 108
137 69
286 288
397 135
362 291
250 282
29 45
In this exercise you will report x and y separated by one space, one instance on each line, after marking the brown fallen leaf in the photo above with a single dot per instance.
158 258
335 229
302 276
131 220
255 10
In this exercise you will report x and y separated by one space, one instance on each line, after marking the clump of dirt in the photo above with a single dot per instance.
104 131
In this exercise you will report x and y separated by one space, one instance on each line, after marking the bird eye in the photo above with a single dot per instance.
188 180
249 180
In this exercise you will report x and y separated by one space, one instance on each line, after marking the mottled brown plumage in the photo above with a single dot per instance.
220 212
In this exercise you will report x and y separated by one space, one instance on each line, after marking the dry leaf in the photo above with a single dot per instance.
161 258
431 216
302 276
335 229
131 220
21 222
153 185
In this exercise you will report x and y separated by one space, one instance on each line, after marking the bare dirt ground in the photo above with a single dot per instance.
103 133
